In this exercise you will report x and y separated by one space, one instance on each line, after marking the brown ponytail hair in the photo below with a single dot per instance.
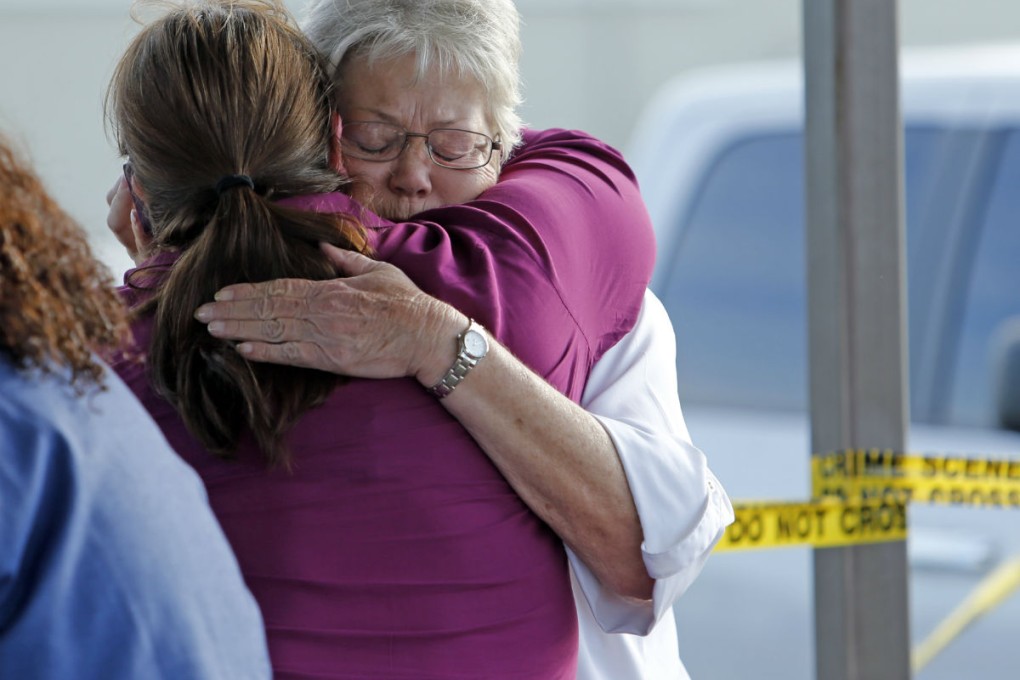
208 91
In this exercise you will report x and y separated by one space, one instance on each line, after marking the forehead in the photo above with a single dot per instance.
391 90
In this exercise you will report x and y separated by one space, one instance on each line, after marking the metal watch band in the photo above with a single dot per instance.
462 365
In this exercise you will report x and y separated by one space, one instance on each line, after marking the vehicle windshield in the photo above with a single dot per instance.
736 283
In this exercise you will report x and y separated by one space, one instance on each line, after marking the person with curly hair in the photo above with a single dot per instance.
112 565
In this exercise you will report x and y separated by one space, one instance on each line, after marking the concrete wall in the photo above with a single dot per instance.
53 73
597 69
590 64
594 64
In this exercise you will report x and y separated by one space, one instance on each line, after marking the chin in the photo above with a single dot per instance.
397 212
397 209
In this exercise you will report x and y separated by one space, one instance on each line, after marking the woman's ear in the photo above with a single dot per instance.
336 160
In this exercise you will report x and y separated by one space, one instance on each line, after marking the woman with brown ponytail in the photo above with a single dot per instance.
221 111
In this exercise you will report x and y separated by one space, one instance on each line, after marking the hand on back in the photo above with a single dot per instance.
373 323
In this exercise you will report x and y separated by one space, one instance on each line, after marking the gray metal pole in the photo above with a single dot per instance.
856 306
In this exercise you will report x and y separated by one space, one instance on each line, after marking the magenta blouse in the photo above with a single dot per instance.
394 548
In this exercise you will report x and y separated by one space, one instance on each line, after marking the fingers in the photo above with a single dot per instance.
259 308
118 218
142 238
296 288
347 261
287 353
266 330
113 190
290 342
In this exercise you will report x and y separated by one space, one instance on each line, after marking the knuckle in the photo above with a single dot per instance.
263 308
278 287
272 329
291 351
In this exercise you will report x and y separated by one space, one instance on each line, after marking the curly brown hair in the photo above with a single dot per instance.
57 303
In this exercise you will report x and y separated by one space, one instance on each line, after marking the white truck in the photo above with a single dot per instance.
719 154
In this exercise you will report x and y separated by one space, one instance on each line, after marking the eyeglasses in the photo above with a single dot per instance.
143 214
447 147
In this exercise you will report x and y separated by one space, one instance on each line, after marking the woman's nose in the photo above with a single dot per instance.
412 170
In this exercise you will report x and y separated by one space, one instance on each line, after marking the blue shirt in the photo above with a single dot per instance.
111 562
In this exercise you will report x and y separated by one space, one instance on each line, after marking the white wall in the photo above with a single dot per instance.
596 69
56 60
594 63
53 72
589 64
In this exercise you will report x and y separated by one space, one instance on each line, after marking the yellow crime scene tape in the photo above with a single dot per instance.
860 497
942 479
989 594
825 523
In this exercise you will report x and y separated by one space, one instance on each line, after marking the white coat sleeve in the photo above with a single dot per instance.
683 508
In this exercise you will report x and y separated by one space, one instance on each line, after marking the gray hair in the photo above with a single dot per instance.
475 38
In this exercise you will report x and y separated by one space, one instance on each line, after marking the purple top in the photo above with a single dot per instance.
395 549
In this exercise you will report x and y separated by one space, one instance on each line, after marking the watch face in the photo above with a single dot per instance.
475 343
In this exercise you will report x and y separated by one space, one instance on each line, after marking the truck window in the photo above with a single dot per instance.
736 283
736 291
993 293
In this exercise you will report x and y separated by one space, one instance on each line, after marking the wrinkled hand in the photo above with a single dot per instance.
375 323
122 220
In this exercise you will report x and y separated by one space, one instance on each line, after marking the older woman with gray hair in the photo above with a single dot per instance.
428 92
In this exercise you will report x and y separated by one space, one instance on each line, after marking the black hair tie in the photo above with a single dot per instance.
231 181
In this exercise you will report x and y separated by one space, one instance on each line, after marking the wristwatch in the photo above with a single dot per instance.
472 346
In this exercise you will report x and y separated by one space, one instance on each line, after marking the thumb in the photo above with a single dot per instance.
347 261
